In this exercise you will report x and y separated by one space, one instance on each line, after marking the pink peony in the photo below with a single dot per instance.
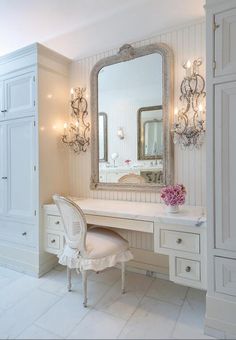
173 194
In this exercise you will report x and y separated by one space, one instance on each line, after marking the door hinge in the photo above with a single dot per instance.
33 78
214 65
35 213
34 123
34 167
215 26
34 102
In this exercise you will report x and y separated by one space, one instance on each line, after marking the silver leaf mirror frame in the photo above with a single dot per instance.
126 53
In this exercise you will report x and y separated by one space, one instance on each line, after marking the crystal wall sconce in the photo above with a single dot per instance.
76 132
189 122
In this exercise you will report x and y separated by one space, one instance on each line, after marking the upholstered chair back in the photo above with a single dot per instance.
74 222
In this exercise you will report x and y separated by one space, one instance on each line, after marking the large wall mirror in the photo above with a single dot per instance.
131 101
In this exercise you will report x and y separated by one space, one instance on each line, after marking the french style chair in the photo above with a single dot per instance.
132 178
96 248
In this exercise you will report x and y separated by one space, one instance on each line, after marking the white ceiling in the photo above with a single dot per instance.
78 28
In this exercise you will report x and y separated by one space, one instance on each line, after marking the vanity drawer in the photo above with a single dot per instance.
54 242
187 269
187 242
121 223
54 222
17 232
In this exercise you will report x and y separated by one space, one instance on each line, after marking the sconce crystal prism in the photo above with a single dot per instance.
189 121
76 132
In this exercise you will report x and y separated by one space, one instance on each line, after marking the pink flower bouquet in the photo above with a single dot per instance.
173 195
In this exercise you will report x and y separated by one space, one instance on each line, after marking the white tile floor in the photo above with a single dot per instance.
33 308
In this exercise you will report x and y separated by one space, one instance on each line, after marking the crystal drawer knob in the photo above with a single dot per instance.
24 234
57 222
188 269
179 240
53 241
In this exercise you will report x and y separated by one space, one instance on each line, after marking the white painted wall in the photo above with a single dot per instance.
187 42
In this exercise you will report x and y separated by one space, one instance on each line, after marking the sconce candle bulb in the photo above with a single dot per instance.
120 133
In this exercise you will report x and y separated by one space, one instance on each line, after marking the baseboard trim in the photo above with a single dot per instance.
220 319
23 260
47 263
18 266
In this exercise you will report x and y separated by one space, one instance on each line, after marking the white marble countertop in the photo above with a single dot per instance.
156 212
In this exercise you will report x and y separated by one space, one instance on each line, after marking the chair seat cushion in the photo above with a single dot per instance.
101 242
105 248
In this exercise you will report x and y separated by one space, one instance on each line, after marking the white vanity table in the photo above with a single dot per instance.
181 236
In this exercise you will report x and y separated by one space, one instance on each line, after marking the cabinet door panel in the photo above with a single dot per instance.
225 275
225 165
225 43
20 166
2 168
19 95
1 101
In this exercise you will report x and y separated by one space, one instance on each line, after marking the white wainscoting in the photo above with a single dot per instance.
187 42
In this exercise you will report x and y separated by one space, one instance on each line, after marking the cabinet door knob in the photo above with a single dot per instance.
4 177
24 233
57 222
53 241
188 269
179 240
3 111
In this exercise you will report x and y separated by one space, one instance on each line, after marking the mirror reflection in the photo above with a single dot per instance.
150 133
131 131
102 124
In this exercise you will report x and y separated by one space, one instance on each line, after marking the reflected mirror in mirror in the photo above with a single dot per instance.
133 135
150 133
102 128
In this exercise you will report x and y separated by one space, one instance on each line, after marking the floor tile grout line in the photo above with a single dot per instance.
165 301
135 308
44 312
20 299
43 329
180 310
94 307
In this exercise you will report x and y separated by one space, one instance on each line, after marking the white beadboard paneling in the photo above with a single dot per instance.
187 42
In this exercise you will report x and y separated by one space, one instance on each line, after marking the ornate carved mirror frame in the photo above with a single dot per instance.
127 52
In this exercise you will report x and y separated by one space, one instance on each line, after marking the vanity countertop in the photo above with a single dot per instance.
188 215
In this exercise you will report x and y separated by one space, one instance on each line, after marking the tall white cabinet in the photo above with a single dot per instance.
221 168
33 163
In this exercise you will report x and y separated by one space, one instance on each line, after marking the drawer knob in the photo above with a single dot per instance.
3 111
24 233
179 240
53 241
188 269
57 222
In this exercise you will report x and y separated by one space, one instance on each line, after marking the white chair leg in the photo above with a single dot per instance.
69 279
123 277
84 276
